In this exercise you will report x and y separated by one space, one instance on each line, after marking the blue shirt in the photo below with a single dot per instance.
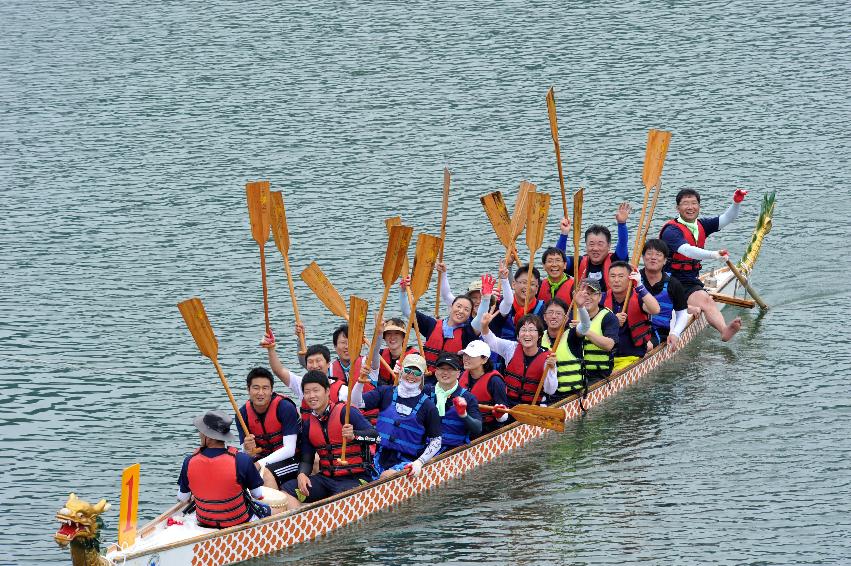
287 415
674 238
427 416
472 402
246 474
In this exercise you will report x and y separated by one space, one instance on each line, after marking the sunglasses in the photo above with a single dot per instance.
414 371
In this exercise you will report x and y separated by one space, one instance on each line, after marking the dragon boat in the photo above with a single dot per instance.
171 538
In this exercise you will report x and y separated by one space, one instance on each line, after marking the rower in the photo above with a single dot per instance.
686 238
557 283
636 336
408 422
445 335
317 358
474 289
273 426
673 315
485 383
504 323
339 368
596 335
393 333
322 434
568 361
217 477
460 419
598 243
526 362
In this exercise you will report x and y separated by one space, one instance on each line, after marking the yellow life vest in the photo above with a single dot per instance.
597 359
569 367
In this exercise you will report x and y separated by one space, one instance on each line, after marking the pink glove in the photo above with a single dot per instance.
460 406
487 284
739 195
268 340
499 411
405 282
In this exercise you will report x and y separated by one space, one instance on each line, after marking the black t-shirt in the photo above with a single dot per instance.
675 290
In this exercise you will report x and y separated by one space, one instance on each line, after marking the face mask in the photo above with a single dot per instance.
407 389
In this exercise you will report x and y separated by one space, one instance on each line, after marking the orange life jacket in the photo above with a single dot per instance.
437 344
564 292
326 436
583 268
219 498
268 434
521 382
480 391
640 329
679 262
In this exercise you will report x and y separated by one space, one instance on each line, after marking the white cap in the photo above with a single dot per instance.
477 348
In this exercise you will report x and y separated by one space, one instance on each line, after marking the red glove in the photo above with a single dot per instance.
460 406
499 411
268 340
739 195
487 284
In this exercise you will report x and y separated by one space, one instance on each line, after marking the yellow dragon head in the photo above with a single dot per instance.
79 520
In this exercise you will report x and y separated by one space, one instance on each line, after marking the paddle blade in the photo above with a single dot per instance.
546 417
497 212
521 206
280 231
322 288
551 110
396 254
397 221
357 321
424 259
196 320
536 223
578 200
654 156
257 194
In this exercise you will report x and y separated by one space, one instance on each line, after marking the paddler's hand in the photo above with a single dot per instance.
460 406
621 318
649 346
564 227
348 432
414 468
405 282
299 329
550 363
488 283
249 445
622 214
503 269
499 411
304 484
673 342
268 340
486 320
635 277
440 267
739 196
364 375
723 254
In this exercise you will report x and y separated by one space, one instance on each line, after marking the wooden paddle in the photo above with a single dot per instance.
446 179
406 270
578 200
747 285
257 194
397 251
330 297
536 223
519 217
551 110
357 320
424 260
535 415
199 326
733 301
554 346
282 240
654 160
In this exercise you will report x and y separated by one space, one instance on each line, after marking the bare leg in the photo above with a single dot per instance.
292 502
269 479
704 302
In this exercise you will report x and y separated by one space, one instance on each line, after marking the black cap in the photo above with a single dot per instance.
448 359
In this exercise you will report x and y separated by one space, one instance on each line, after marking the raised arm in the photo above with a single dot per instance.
622 248
733 210
445 288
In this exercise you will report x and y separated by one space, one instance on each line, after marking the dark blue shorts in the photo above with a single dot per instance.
323 486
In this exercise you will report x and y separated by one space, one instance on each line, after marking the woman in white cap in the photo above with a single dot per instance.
484 382
408 422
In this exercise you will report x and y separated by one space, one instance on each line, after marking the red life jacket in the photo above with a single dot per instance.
583 268
326 436
219 499
333 396
521 382
436 343
564 292
354 375
640 329
679 262
480 391
518 312
385 377
268 434
338 371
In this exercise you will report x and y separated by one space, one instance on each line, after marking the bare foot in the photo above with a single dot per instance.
734 326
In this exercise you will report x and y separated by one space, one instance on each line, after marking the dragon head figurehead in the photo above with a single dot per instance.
81 522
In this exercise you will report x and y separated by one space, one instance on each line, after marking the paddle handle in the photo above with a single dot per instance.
377 333
511 252
232 400
301 340
747 285
561 177
411 320
635 248
416 325
265 289
529 281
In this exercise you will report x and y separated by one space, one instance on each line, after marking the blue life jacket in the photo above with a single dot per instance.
663 319
401 432
453 430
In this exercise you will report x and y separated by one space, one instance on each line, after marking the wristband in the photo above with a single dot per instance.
642 291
